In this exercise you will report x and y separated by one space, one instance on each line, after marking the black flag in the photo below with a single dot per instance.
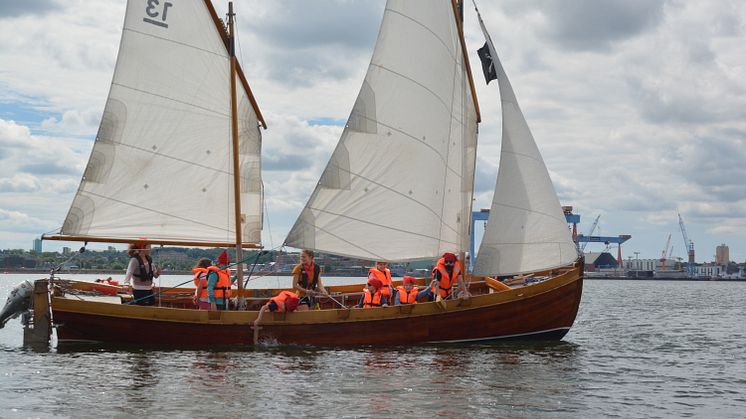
488 66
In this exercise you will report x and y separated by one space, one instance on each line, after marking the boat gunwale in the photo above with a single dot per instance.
316 317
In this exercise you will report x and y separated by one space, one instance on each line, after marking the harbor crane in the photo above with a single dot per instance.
590 233
689 245
664 253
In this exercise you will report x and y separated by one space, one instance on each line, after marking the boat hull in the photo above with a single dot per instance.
545 310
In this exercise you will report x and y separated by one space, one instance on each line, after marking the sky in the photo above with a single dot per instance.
638 107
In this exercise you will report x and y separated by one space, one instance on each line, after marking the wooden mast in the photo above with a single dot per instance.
458 11
234 138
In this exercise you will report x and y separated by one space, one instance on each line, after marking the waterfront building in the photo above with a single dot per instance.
66 250
37 246
722 255
596 261
709 270
645 264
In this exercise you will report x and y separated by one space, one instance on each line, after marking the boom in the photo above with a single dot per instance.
665 252
590 233
689 245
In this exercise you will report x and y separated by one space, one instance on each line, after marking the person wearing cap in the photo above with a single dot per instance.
382 273
284 302
406 293
445 273
140 273
218 284
307 279
372 296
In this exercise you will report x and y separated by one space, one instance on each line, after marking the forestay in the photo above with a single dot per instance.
526 231
399 183
161 166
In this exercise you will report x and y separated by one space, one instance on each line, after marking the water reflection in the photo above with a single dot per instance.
143 374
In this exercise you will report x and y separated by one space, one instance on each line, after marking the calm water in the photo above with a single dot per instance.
638 349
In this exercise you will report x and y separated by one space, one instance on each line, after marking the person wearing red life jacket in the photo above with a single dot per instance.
372 296
284 302
382 273
446 273
406 293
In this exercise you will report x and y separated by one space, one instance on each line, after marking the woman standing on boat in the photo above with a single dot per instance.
307 279
140 272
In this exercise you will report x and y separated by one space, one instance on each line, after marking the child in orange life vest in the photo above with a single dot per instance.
214 293
382 273
445 275
406 294
372 296
285 301
200 282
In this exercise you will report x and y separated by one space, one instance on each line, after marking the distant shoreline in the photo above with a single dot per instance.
122 272
333 274
673 278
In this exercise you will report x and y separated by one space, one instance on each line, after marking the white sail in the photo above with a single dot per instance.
161 166
399 184
526 231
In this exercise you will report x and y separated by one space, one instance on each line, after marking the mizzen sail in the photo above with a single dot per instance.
399 183
161 166
526 230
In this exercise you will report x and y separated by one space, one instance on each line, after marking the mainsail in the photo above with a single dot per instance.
161 166
399 183
526 231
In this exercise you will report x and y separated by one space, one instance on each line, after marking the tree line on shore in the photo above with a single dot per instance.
169 258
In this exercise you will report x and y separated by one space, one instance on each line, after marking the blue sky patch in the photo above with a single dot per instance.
25 113
327 121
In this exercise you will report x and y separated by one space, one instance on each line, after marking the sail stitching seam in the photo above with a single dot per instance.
377 225
155 211
437 153
440 218
159 154
443 102
177 42
527 210
171 99
435 35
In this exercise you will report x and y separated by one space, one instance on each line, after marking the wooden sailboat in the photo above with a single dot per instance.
398 187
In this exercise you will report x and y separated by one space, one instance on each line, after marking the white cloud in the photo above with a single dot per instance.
639 108
22 182
12 135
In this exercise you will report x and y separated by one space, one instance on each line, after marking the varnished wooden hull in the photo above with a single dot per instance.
545 310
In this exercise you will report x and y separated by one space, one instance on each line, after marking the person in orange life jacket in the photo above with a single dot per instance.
307 280
372 296
445 273
407 293
219 283
284 302
108 281
140 272
382 273
201 300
